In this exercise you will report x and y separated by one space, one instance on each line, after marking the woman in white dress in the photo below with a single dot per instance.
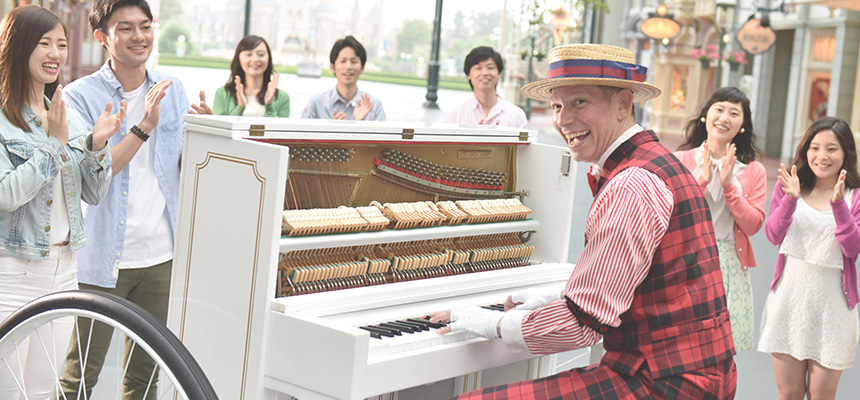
810 321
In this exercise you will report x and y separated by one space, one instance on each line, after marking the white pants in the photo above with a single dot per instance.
42 354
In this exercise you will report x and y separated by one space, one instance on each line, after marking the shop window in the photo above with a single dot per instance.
679 78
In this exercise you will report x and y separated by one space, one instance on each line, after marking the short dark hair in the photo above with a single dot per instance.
250 42
746 143
480 54
22 29
348 41
103 9
846 140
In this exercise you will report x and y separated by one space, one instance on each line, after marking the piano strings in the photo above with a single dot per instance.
331 175
323 270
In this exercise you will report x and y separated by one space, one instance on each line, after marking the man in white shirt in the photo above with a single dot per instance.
130 253
483 68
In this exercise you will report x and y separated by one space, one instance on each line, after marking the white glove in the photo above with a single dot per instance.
476 320
535 297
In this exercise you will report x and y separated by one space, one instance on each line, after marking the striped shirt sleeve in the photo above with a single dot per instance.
623 229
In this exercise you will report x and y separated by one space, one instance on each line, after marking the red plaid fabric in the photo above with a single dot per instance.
678 321
674 342
602 381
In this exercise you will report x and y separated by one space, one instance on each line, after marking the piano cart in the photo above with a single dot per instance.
259 333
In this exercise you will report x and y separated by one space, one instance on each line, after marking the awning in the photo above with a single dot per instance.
847 4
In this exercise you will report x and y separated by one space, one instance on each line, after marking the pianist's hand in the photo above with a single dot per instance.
475 320
531 299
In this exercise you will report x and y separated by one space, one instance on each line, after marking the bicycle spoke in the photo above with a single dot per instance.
174 375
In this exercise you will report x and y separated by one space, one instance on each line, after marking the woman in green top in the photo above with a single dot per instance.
253 87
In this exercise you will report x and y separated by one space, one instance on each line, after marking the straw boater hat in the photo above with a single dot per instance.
592 64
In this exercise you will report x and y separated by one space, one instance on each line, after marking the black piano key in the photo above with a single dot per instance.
421 321
393 331
416 325
497 307
408 325
377 332
397 327
435 325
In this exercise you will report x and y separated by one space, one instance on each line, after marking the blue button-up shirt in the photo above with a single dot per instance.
322 106
105 222
29 163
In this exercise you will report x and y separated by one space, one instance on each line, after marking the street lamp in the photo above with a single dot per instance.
660 25
723 6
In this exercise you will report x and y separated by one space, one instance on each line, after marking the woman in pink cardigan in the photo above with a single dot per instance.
809 323
720 150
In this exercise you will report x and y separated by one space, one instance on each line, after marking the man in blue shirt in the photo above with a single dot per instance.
345 101
132 230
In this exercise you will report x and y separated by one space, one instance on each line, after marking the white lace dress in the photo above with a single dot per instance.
806 315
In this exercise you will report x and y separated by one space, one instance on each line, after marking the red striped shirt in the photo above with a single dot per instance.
624 227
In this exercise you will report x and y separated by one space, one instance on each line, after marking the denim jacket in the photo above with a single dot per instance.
97 262
29 163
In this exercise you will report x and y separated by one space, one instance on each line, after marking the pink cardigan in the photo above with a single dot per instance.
747 210
847 234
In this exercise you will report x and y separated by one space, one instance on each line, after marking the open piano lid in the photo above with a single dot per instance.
279 129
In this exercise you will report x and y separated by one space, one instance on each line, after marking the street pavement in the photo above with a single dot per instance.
404 103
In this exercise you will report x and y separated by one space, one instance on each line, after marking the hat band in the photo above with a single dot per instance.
596 69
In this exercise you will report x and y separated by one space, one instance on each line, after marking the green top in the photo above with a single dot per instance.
225 105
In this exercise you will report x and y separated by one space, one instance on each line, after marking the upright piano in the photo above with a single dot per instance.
265 322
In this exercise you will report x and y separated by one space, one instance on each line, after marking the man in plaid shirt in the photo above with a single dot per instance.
648 280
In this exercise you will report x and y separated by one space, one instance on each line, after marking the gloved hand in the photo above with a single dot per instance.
533 298
476 320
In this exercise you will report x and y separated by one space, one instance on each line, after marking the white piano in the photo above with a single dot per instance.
226 289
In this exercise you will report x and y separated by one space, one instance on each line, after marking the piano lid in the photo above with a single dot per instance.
316 130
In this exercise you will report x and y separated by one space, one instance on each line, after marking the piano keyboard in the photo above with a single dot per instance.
410 334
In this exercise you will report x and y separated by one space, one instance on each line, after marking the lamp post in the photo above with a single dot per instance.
722 6
660 25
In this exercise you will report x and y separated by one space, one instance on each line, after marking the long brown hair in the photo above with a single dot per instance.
20 33
696 132
250 42
846 140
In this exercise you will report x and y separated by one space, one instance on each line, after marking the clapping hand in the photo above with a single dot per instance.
338 114
839 189
727 164
58 125
241 99
153 106
707 162
108 125
203 108
272 89
362 107
790 182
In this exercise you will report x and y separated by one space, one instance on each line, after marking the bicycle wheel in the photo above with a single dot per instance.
180 373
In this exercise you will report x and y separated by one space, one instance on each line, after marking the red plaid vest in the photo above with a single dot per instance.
678 321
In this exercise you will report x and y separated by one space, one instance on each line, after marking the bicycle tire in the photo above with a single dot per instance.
154 337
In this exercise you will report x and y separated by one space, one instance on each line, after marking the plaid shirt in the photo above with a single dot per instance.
678 320
672 338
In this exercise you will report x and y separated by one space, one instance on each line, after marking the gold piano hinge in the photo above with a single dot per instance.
258 130
565 164
524 136
408 134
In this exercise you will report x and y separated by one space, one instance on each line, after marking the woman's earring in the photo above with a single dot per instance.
702 119
743 130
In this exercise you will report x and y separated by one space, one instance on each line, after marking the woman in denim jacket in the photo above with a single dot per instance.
48 164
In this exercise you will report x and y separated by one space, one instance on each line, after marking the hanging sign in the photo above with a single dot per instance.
754 38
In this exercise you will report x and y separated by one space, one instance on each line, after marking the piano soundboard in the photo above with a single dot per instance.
309 253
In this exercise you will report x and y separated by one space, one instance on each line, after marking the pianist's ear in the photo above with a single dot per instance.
623 104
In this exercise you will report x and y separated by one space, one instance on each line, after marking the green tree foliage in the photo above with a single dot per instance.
169 9
170 33
415 33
